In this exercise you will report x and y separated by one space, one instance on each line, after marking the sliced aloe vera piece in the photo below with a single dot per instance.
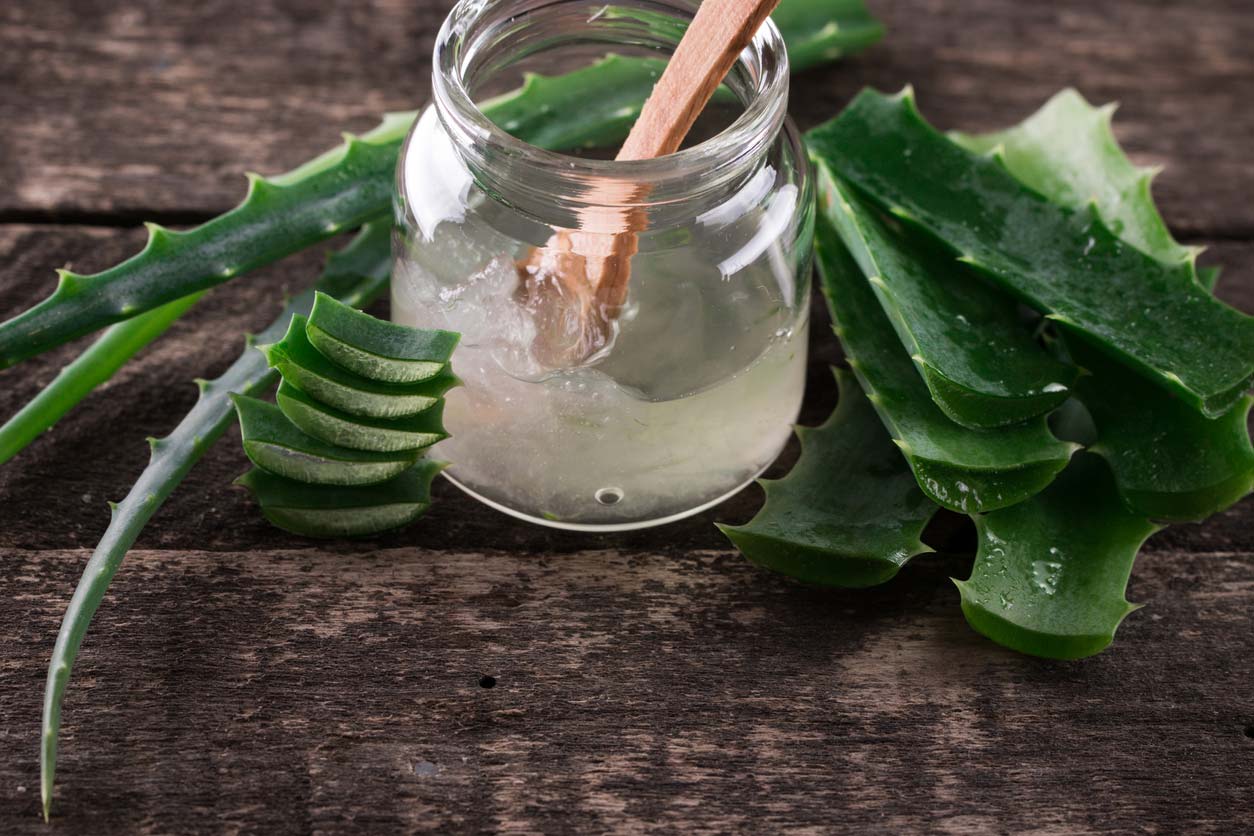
1068 152
959 468
384 435
1154 316
975 353
1169 461
298 361
336 511
375 348
849 513
1050 574
275 444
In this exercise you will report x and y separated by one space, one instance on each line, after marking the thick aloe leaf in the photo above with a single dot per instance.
302 364
336 511
849 513
275 444
961 469
375 348
978 358
356 275
340 190
94 366
384 435
1068 152
1169 461
1066 263
1050 574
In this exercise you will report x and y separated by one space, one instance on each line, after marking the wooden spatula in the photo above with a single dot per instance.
576 283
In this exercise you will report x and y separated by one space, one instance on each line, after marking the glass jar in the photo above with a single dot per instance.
692 386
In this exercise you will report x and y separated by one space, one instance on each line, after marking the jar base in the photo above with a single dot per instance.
605 527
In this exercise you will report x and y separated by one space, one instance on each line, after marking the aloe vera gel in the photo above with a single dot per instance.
693 389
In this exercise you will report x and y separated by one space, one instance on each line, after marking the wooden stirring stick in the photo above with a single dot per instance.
577 282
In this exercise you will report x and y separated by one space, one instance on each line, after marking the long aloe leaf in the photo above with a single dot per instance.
820 32
340 190
1050 574
1169 461
849 513
1067 263
969 341
94 366
959 468
356 275
339 511
347 186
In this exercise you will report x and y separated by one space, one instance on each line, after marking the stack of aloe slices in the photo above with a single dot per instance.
361 400
929 247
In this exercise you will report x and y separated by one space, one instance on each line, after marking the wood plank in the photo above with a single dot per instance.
151 106
333 691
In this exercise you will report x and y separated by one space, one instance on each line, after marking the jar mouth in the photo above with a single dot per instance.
477 31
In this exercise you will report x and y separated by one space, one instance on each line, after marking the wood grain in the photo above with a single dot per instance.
241 680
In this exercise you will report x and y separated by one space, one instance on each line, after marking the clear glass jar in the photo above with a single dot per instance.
701 375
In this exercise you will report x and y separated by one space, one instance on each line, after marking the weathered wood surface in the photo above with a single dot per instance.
239 679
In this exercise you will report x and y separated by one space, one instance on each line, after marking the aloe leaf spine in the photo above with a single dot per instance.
356 275
1066 263
849 513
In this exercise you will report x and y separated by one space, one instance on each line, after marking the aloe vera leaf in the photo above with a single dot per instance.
375 348
961 469
849 513
94 366
968 340
338 511
340 190
275 444
1050 573
1169 461
1154 316
356 275
383 435
1068 152
302 364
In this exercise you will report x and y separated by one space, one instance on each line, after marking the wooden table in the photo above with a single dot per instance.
238 679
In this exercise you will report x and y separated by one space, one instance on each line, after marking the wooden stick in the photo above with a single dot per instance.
593 263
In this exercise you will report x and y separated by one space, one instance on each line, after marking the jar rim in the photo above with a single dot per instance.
708 165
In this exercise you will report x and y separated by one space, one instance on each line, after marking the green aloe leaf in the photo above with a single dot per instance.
302 364
375 348
849 513
356 275
824 31
336 511
959 468
979 360
1154 316
275 444
1050 574
383 435
1169 461
1068 152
